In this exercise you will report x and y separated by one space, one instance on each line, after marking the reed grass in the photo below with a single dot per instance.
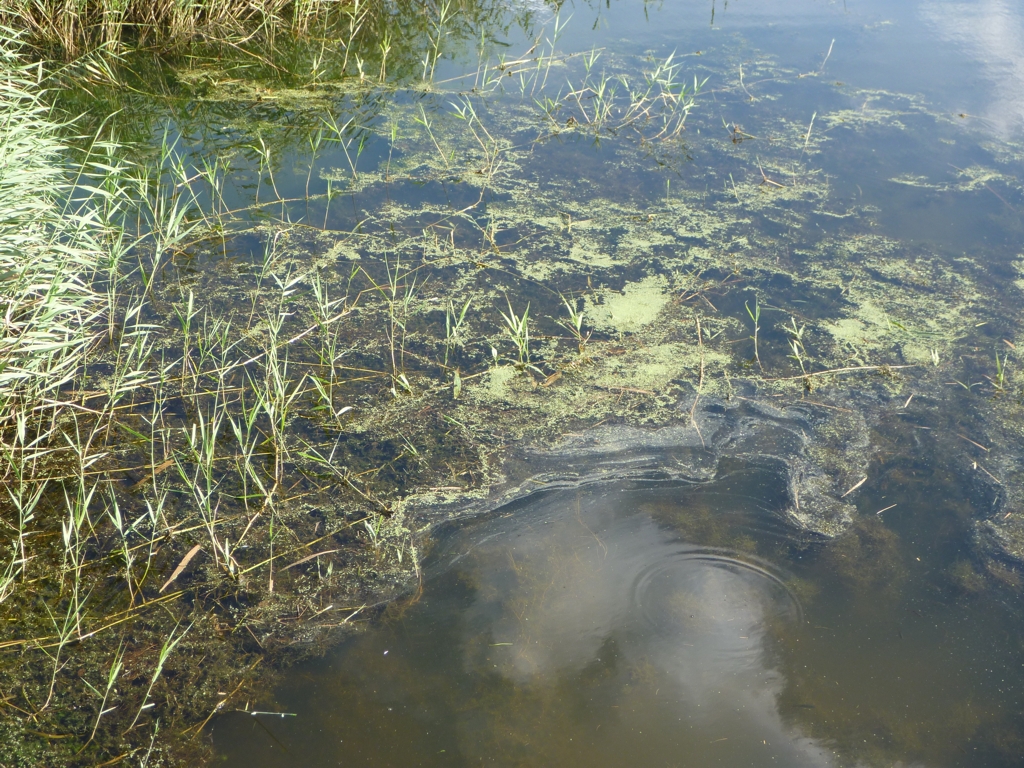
76 27
92 387
54 240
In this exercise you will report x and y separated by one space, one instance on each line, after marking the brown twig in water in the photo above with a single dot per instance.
765 179
700 379
307 558
844 370
633 390
855 487
744 87
182 565
977 465
978 445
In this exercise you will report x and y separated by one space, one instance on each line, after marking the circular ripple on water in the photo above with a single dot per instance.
712 603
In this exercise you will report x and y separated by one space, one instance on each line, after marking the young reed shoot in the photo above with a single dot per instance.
518 329
755 318
575 322
796 342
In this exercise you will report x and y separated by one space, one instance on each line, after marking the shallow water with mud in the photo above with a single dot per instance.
799 549
592 424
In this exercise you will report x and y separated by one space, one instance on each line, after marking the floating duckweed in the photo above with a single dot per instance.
628 311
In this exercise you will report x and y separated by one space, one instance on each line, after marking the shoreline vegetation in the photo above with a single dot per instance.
68 30
116 478
113 431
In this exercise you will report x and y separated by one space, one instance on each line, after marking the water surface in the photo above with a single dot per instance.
864 177
660 623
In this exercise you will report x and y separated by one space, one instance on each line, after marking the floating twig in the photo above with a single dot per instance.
855 487
822 67
182 565
744 87
807 138
977 465
634 390
851 369
307 558
156 471
765 179
978 445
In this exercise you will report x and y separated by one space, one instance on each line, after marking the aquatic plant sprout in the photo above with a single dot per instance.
518 327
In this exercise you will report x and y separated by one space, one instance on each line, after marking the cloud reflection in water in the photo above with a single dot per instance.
687 627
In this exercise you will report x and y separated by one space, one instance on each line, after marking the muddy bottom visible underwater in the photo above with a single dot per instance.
662 623
641 387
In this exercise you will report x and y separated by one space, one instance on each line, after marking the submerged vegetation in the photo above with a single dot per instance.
247 362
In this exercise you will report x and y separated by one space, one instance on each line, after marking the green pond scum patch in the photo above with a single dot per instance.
341 332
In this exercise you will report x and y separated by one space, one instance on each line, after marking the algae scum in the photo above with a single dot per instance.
552 413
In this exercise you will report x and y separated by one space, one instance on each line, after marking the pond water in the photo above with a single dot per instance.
663 622
828 578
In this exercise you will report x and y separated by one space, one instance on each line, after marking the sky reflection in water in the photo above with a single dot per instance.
584 633
991 33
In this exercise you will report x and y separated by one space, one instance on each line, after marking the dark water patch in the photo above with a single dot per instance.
568 627
667 621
